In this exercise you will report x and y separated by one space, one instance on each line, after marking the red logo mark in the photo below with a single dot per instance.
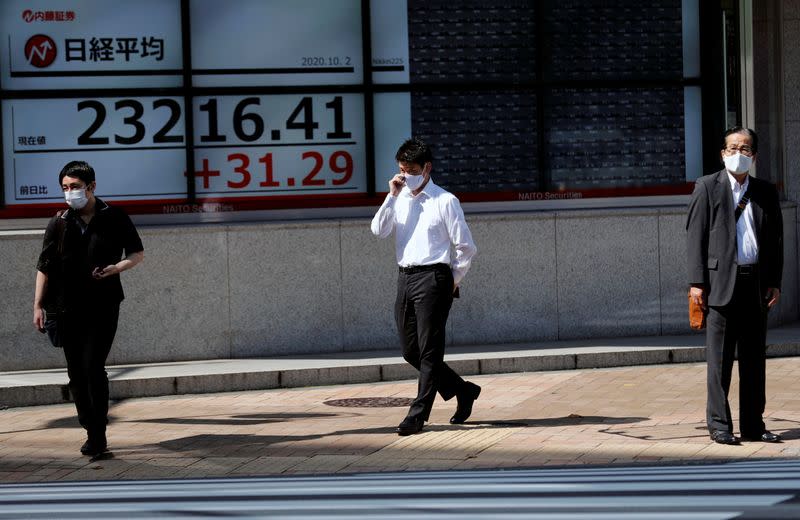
27 15
40 51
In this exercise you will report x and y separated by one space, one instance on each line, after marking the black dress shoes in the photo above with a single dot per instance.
767 436
722 437
465 400
95 444
410 426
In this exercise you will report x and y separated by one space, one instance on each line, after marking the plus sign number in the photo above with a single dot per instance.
279 145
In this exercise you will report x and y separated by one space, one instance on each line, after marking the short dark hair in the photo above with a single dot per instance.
415 151
741 130
78 169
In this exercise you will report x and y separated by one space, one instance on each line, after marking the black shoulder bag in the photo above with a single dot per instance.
55 314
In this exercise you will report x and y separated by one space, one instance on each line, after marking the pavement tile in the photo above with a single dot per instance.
267 466
323 464
639 414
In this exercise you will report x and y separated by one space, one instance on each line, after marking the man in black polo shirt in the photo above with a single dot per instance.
78 280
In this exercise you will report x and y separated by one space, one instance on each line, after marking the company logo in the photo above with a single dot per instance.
40 51
30 16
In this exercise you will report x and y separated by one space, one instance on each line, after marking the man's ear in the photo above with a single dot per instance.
92 186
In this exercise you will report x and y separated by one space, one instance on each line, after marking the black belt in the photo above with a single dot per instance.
746 269
421 268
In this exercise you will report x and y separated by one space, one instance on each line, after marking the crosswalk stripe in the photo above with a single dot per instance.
655 492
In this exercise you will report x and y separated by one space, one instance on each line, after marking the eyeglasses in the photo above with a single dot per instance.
744 150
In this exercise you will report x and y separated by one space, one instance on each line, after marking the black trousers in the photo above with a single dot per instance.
423 304
87 341
739 327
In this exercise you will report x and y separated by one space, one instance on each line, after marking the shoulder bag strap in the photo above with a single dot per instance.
61 229
742 204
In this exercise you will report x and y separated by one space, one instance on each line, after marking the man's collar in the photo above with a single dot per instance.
99 205
734 182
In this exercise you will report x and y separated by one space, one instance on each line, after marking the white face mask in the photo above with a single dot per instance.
414 181
76 198
737 163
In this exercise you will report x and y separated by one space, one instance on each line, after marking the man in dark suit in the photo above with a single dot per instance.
735 250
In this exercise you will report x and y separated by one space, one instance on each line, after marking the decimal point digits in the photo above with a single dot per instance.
339 163
276 135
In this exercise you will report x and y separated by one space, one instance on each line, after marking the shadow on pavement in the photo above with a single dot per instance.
567 420
239 420
265 445
672 432
660 432
68 422
791 431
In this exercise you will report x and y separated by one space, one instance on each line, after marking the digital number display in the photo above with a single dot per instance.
279 145
278 91
136 146
262 145
244 146
132 110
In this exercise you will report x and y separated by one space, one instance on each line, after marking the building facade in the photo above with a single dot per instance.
572 131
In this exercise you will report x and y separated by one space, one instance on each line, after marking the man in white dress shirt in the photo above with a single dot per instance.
434 251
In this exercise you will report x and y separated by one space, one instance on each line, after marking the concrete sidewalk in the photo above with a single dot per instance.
26 388
626 415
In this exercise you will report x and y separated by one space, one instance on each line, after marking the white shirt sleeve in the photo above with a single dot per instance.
383 221
460 237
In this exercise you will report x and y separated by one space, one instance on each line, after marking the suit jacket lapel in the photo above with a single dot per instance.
725 198
755 204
